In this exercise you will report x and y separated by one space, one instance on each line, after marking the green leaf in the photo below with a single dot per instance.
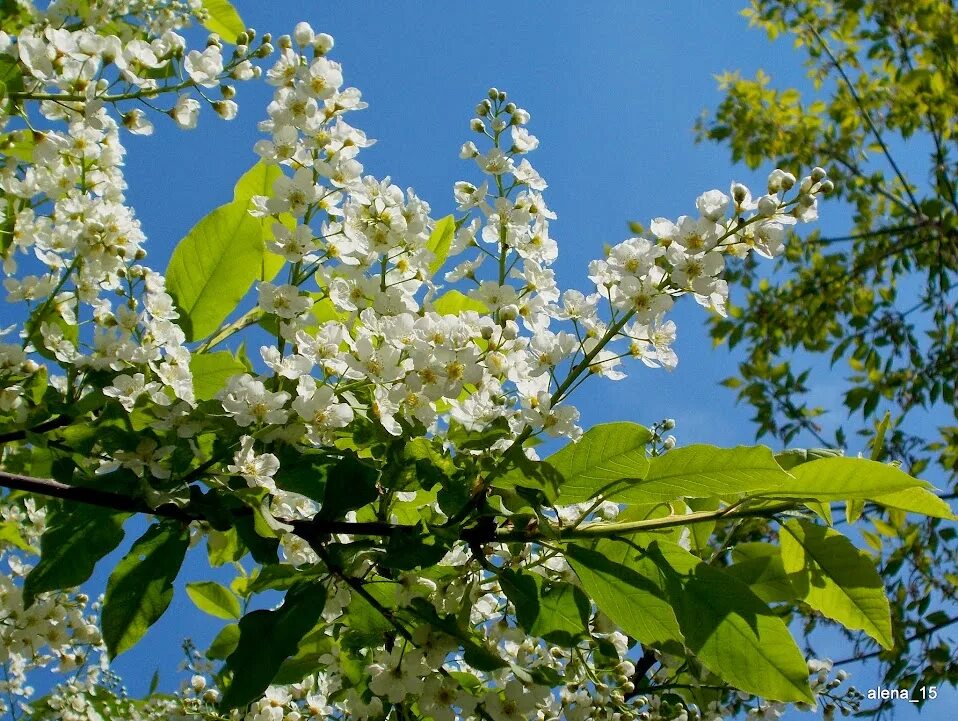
141 586
366 624
225 642
258 180
608 458
731 631
440 240
628 588
18 144
223 547
703 471
845 478
10 533
837 579
211 371
350 484
455 303
213 267
917 500
221 18
759 565
267 638
71 546
559 612
308 658
214 599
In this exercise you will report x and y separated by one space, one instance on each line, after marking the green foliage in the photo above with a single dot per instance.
440 240
607 457
141 586
212 370
71 546
878 299
213 267
214 599
559 613
452 302
735 634
835 578
703 471
629 589
253 664
219 16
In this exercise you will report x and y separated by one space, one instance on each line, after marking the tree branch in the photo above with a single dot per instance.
602 530
914 637
121 502
49 425
867 116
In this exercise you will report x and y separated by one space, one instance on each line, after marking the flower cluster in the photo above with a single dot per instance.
56 632
370 337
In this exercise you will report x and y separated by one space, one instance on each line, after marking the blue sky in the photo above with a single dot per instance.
613 90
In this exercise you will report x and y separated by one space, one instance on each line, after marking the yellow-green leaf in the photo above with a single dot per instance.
608 458
214 599
917 500
835 578
220 17
455 303
440 240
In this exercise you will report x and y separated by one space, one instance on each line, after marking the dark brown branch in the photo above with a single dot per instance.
49 425
90 496
120 502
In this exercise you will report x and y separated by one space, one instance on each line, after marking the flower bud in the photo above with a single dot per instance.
285 42
483 108
323 43
228 91
241 40
788 181
226 109
214 39
818 174
767 206
477 125
510 108
668 424
827 187
669 443
493 93
303 34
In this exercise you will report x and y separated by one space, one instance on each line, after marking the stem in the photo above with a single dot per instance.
603 530
49 425
74 98
244 321
868 119
914 637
